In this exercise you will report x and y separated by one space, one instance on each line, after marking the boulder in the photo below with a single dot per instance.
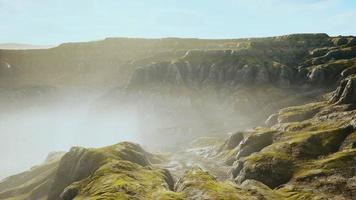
272 169
232 141
254 142
236 168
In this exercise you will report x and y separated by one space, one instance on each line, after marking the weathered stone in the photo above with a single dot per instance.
346 92
236 168
232 141
254 142
272 169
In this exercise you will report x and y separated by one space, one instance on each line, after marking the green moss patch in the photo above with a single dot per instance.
122 180
201 185
300 113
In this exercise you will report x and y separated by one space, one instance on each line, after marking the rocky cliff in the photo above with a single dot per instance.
108 62
241 86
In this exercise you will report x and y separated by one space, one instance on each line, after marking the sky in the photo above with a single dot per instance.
48 22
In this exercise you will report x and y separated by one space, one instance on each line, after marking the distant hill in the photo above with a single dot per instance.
19 46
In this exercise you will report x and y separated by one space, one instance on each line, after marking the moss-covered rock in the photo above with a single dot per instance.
232 142
270 168
309 140
198 184
331 175
243 144
260 190
254 143
80 163
121 180
299 113
290 192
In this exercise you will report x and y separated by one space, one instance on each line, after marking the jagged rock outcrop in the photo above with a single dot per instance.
232 142
271 169
346 92
250 142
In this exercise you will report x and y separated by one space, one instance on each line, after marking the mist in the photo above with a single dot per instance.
56 120
32 131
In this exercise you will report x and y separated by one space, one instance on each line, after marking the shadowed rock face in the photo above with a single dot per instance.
346 92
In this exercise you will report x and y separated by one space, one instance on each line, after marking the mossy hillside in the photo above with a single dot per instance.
122 180
197 184
290 192
341 162
80 163
311 144
293 147
168 195
329 177
326 137
30 185
308 126
260 190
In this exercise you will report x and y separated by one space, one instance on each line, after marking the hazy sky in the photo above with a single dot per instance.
56 21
